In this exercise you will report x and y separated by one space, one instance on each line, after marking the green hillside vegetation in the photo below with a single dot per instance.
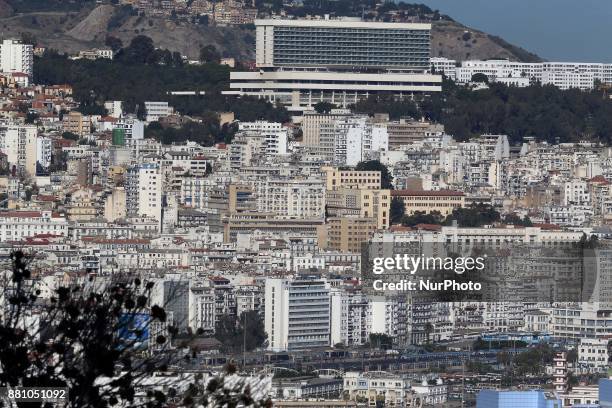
544 112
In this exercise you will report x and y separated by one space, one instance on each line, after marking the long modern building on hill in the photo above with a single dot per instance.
303 62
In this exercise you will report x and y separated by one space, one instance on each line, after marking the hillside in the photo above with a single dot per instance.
70 31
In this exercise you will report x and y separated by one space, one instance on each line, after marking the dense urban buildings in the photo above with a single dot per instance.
300 251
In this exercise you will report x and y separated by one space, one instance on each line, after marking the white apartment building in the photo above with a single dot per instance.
434 393
202 308
300 199
275 136
144 191
297 313
350 317
373 385
576 192
564 75
585 320
114 108
19 143
15 56
133 128
156 110
593 354
355 138
44 148
17 225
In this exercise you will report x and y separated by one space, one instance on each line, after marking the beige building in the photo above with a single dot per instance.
269 223
404 131
82 206
443 201
114 205
77 123
336 178
366 203
312 121
347 234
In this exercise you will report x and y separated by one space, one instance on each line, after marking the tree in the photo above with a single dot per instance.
381 340
89 336
386 180
429 328
397 210
513 219
421 217
114 43
475 216
324 107
209 53
140 51
70 136
231 332
480 78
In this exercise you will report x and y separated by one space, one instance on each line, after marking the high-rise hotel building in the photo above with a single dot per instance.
302 62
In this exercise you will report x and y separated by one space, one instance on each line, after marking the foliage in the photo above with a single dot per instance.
381 340
513 219
231 332
420 217
387 104
386 179
480 77
397 210
114 43
88 336
70 136
324 107
79 337
544 112
473 216
533 360
209 54
206 133
140 73
480 344
133 77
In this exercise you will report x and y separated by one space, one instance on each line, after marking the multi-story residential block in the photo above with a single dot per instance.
17 225
349 233
593 354
336 178
404 132
15 56
156 110
296 199
392 390
366 203
77 123
202 308
355 138
144 191
297 313
274 135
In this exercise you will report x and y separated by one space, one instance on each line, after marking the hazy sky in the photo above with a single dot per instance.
561 30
